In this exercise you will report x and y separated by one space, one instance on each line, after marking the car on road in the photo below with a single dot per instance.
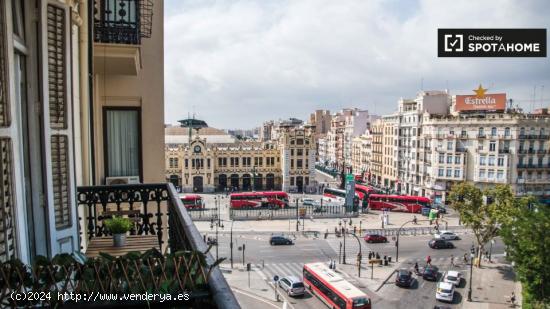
453 277
309 202
446 235
445 292
280 240
375 238
430 272
440 244
292 285
404 278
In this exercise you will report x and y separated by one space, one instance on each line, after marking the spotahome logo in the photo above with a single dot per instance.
491 42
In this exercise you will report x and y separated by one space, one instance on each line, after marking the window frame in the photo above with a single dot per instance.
140 137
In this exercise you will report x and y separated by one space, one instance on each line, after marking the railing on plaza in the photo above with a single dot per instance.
205 214
327 170
302 212
161 213
413 231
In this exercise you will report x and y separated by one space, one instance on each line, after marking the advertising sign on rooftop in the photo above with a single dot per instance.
481 101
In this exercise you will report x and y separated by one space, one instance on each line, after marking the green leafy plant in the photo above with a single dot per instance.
118 225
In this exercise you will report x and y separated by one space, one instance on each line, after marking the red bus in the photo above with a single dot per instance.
192 201
364 192
332 289
338 197
405 203
275 199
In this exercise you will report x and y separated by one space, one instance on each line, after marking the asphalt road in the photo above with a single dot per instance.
288 260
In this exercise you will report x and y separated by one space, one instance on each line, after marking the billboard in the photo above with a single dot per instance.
480 101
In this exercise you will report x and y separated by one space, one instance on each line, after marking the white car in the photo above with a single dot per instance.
309 202
446 235
453 277
445 292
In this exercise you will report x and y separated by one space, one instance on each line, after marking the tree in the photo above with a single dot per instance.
528 246
483 211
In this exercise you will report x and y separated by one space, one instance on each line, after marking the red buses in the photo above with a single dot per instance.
405 203
332 289
364 192
338 197
275 199
192 201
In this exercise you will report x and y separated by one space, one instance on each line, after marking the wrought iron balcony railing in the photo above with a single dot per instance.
122 21
160 213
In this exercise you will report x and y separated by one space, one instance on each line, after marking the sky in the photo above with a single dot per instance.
236 64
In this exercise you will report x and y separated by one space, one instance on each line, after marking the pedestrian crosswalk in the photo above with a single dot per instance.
268 271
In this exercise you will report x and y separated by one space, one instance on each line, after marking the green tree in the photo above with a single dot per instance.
527 238
483 211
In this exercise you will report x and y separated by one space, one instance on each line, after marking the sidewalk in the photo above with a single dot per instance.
238 277
364 221
380 275
492 286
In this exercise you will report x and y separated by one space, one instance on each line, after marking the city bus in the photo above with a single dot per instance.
364 192
272 199
192 201
404 203
337 197
332 289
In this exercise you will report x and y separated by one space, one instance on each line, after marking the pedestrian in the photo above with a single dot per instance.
513 299
465 258
429 260
416 267
452 260
414 220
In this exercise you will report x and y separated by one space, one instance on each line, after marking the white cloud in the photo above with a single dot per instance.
242 62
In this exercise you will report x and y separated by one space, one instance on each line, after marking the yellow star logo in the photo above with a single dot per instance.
480 91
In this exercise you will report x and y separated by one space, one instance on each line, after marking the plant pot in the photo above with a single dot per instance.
119 240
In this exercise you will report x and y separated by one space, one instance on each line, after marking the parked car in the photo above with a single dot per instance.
452 276
430 272
445 292
280 240
404 278
292 285
440 244
375 238
446 235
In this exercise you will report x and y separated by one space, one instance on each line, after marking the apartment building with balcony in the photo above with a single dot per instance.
486 149
81 99
409 128
376 136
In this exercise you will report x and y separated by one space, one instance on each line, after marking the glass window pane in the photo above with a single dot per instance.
122 143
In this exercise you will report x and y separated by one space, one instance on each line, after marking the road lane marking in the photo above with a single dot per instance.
258 298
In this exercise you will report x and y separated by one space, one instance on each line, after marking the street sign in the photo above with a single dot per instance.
275 278
349 177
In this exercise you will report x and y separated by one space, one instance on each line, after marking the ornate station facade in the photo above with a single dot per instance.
198 165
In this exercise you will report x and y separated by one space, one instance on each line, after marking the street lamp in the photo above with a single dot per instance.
472 254
231 242
344 227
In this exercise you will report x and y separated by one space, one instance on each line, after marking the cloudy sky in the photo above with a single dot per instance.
239 63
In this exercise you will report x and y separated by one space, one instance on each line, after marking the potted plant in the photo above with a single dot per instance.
118 226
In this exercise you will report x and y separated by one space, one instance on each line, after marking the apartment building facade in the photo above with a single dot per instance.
57 131
488 149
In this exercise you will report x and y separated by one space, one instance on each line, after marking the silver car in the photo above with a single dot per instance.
292 285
